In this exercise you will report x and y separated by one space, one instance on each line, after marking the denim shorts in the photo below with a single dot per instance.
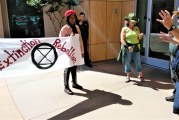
137 61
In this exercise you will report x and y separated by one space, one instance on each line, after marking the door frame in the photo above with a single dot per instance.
163 64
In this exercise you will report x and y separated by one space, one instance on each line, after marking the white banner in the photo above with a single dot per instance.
20 57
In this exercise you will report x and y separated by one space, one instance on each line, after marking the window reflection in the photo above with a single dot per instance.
157 6
159 49
24 21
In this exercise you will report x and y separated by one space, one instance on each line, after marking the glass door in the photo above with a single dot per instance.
157 51
153 51
141 13
24 21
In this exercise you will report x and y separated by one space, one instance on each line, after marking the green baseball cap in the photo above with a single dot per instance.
132 17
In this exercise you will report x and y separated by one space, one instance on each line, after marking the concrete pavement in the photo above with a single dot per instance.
106 96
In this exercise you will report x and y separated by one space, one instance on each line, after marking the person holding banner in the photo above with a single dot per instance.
71 29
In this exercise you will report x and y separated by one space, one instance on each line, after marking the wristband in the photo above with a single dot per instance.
126 46
172 28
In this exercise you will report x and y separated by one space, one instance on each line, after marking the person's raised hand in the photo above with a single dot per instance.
141 36
167 19
165 37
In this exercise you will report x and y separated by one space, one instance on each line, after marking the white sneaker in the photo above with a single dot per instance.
127 80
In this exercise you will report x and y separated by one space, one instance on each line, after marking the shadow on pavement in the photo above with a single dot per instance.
96 100
155 78
155 85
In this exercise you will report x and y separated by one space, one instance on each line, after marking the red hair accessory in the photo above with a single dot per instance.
70 12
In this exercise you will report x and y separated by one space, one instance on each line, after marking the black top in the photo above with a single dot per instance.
84 29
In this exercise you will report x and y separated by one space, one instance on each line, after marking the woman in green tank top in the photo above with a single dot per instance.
130 36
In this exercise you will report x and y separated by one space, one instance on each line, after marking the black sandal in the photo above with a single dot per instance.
141 79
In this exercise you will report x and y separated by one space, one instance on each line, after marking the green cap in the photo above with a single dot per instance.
132 17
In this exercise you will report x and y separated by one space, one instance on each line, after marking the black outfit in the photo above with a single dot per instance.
67 74
84 33
66 79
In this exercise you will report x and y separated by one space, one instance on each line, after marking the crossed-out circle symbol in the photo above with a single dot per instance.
44 51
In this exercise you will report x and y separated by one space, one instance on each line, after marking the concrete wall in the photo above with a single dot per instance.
49 26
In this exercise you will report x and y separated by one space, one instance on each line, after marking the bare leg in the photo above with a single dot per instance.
128 77
141 76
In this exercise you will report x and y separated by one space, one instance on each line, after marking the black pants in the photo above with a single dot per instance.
67 72
86 55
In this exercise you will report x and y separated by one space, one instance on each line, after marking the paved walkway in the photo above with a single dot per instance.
106 96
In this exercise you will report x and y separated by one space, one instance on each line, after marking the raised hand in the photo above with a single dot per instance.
167 19
141 36
165 37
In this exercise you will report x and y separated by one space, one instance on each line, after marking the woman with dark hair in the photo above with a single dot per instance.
130 36
126 22
71 29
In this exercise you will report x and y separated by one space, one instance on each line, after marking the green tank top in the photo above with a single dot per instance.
132 35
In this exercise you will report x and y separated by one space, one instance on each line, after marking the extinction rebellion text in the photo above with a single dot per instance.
26 47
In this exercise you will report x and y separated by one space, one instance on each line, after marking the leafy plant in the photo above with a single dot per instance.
51 8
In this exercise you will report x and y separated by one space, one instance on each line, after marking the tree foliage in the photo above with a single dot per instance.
51 8
53 5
